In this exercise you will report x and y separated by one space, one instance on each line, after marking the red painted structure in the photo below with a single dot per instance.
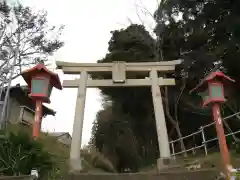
40 81
213 88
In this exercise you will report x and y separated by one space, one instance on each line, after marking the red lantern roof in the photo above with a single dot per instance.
213 75
29 73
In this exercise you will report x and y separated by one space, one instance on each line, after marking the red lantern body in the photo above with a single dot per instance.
212 88
40 86
40 82
212 91
215 92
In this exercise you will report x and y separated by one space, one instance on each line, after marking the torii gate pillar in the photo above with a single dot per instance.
163 142
75 161
119 79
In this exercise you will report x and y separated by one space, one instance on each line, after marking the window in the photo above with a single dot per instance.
216 91
39 86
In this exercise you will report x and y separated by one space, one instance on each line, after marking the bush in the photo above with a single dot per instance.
19 153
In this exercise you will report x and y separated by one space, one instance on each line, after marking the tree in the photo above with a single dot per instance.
125 114
204 34
200 33
25 38
158 51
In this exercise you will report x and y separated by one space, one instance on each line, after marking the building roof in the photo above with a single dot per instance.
58 134
63 137
20 93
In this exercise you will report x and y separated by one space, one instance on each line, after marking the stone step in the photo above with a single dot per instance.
206 174
16 178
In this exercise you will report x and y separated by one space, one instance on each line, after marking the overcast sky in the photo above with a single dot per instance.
87 31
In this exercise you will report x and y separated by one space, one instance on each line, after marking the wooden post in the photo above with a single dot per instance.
38 119
221 138
75 161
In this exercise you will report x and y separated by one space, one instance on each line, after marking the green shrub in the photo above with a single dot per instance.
19 153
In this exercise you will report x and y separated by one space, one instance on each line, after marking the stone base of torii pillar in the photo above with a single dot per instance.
164 163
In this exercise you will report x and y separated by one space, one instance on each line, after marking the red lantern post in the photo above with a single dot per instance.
40 81
212 91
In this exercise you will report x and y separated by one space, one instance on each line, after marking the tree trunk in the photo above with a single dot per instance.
173 122
236 139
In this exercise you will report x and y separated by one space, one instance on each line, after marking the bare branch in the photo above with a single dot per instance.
29 33
30 53
129 20
139 17
2 33
145 10
178 100
232 109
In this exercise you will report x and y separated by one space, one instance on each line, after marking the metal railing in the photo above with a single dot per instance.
203 137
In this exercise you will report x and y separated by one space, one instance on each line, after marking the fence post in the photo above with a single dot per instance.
173 150
204 140
194 146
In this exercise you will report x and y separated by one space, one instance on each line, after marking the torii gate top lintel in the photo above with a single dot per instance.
60 64
118 70
75 68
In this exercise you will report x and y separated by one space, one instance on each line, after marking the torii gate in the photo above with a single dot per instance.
119 79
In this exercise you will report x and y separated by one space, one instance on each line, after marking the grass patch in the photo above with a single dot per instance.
92 162
209 161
